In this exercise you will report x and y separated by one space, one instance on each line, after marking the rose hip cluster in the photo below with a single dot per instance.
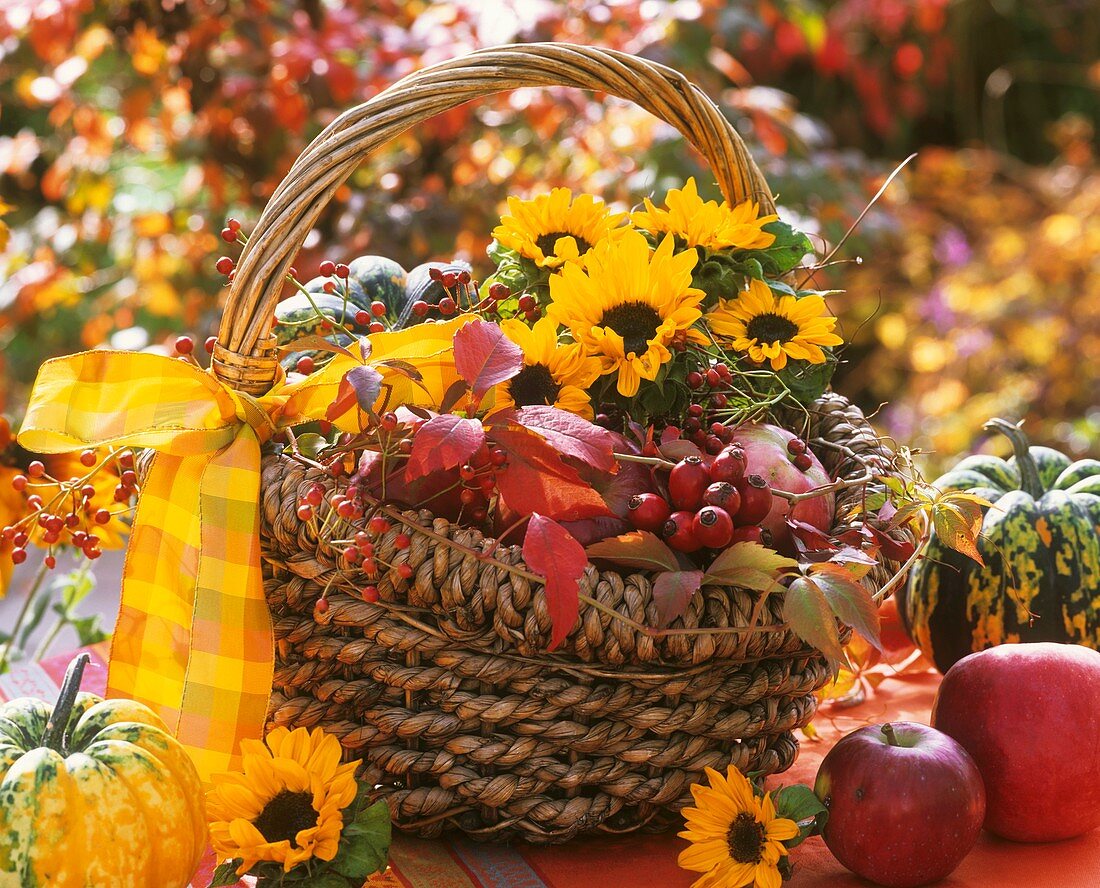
710 504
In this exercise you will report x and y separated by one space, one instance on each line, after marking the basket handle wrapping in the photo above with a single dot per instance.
245 355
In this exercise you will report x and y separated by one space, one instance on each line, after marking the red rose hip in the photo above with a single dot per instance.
648 511
712 527
723 495
752 533
687 482
678 532
728 465
756 500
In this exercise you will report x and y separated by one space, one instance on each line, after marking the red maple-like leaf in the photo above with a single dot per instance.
672 592
536 480
443 442
569 434
552 553
485 357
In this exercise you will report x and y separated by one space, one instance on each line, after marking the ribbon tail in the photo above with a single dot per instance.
194 638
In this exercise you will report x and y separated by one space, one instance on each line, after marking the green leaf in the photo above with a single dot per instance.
810 616
808 381
365 843
798 803
785 253
310 445
88 629
640 549
34 620
748 566
75 586
225 873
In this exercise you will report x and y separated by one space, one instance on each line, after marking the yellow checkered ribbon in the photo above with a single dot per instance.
193 639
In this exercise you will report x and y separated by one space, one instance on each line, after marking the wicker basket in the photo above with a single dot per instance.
443 687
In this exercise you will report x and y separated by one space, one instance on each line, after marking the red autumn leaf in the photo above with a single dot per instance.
569 434
443 442
485 357
895 550
672 592
552 553
678 449
536 480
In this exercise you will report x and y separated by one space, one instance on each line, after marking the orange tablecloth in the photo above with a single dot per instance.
651 860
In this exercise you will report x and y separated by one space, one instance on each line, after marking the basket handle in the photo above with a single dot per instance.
245 355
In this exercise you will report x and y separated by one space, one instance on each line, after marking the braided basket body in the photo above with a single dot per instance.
444 687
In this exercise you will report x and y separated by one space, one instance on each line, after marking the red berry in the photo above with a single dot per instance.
209 344
756 500
321 605
686 483
351 554
20 539
753 533
342 270
447 306
19 482
72 520
435 274
534 314
92 552
377 327
18 556
723 495
720 400
695 410
714 445
449 279
478 516
498 457
405 571
729 465
184 345
315 495
713 378
796 446
102 516
464 277
87 491
388 421
377 308
370 594
87 458
803 462
327 268
126 459
50 562
224 265
378 525
229 235
34 501
402 541
678 532
128 478
717 429
305 513
468 496
36 469
362 317
305 365
648 511
420 308
526 302
232 223
695 379
498 290
712 527
723 371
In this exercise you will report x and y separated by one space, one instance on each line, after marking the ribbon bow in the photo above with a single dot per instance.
193 639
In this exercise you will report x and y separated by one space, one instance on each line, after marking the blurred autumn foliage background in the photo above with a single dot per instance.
130 129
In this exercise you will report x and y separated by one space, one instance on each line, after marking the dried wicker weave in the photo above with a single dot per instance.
444 687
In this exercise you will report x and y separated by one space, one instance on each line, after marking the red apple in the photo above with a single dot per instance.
766 454
1029 715
905 803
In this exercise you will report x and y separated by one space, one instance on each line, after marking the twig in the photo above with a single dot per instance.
842 484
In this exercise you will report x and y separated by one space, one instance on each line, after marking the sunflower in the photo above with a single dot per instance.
287 805
708 224
629 305
736 838
774 328
555 229
553 374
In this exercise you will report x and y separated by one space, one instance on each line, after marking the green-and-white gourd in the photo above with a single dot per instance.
1040 541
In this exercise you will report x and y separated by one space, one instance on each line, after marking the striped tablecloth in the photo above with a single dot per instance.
626 862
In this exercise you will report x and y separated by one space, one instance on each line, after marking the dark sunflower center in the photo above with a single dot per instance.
635 322
546 242
771 328
746 838
534 386
286 815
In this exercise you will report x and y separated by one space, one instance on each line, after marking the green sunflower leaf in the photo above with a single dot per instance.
225 873
365 843
798 803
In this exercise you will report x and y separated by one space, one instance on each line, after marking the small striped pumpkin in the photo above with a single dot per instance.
95 794
1041 545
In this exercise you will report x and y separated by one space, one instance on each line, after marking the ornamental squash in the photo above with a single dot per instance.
1040 541
95 794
